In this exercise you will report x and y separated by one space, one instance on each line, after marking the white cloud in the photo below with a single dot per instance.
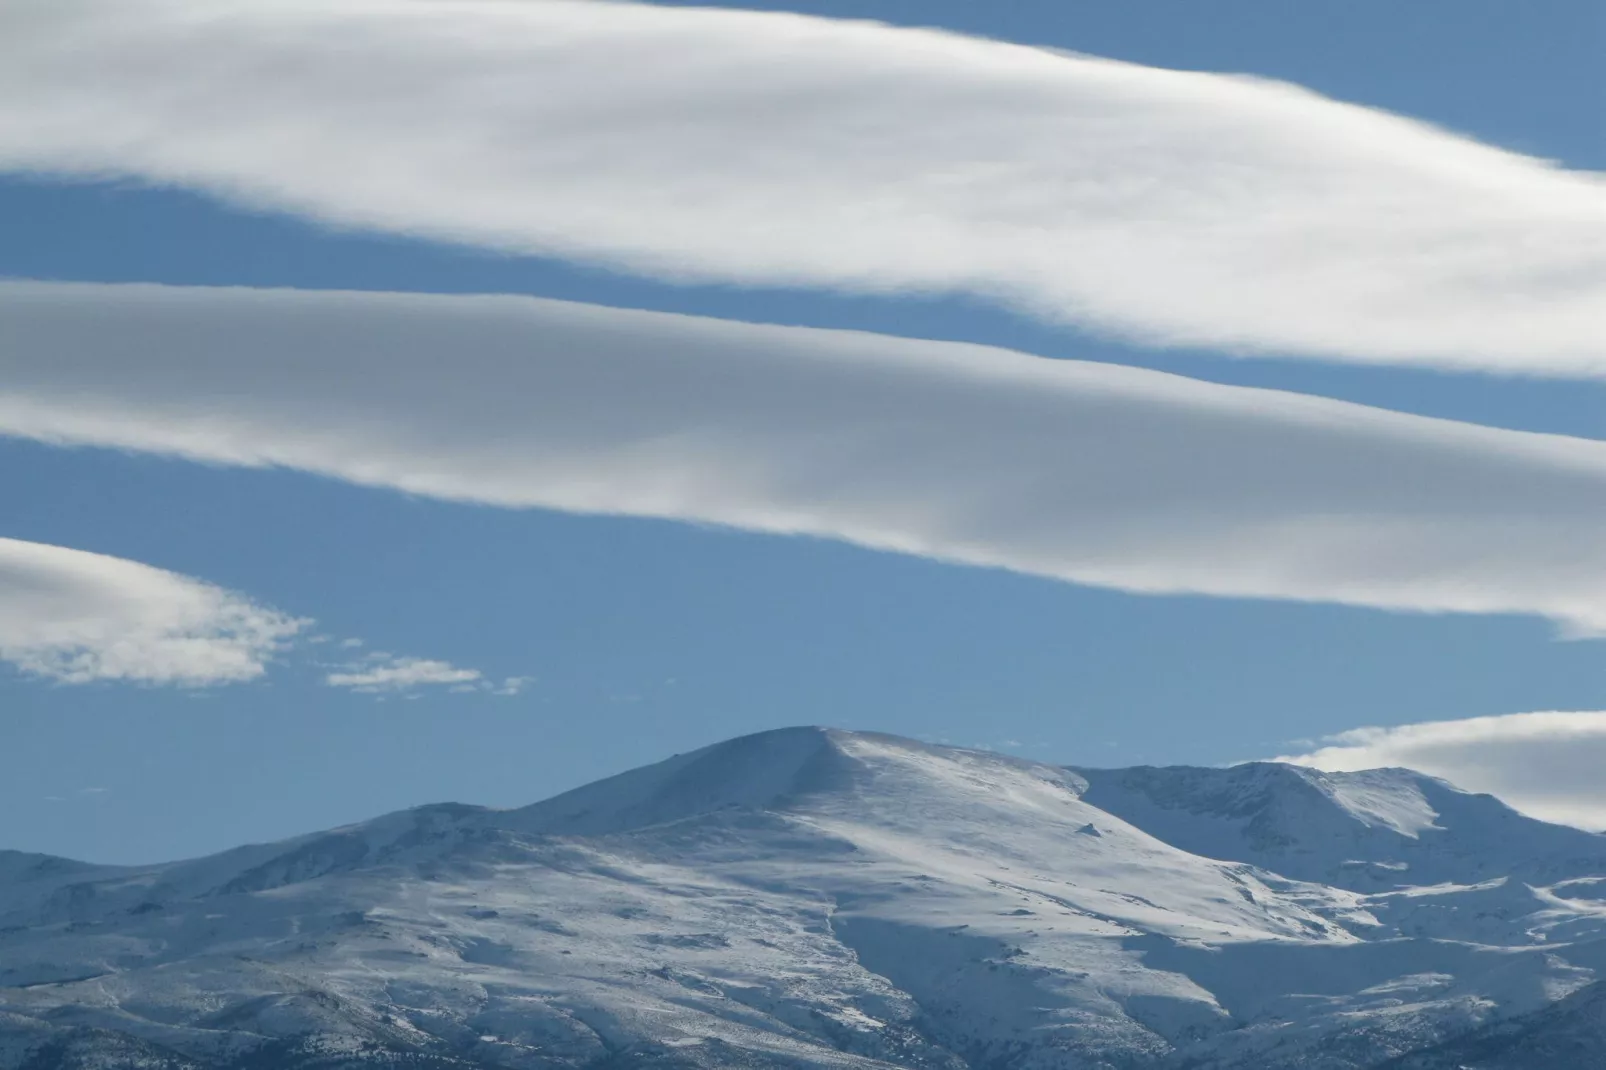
1545 764
382 673
387 673
78 617
1095 473
513 685
771 148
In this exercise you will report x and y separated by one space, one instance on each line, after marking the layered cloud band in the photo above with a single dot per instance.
1094 473
1171 207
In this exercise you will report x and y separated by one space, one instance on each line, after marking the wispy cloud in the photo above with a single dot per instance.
77 617
1094 473
512 685
74 617
1173 207
387 673
382 673
1545 764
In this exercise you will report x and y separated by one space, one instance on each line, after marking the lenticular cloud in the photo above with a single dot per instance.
77 617
1170 207
1094 473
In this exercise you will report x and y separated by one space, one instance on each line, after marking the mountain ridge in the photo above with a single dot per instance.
815 897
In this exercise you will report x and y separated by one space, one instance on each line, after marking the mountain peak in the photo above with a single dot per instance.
811 897
780 769
1365 830
762 770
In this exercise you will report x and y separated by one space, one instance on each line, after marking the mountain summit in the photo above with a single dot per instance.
817 898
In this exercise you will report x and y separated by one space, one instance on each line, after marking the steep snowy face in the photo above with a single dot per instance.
1393 799
811 897
1367 831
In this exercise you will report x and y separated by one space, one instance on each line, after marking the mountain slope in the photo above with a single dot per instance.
1368 831
810 897
1570 1033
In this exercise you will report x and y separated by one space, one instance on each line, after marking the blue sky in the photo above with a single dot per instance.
647 636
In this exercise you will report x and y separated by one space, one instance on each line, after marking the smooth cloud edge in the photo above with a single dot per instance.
935 449
1377 217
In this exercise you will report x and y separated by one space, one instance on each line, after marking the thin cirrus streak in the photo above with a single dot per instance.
77 617
1093 473
1171 207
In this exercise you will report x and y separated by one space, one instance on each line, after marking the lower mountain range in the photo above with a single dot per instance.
818 898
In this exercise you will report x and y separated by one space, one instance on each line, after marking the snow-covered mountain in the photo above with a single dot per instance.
1566 1034
817 898
1366 831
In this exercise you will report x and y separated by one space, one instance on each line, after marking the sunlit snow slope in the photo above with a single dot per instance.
816 898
